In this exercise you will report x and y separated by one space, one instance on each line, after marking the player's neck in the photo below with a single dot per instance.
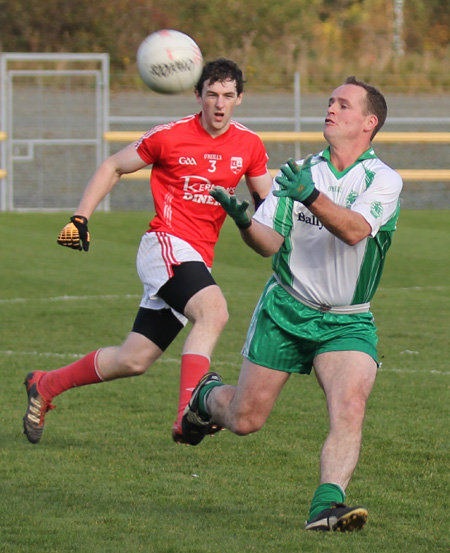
343 156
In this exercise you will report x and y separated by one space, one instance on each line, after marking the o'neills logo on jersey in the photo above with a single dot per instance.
236 165
184 160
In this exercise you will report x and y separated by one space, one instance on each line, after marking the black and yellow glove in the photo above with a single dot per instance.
75 234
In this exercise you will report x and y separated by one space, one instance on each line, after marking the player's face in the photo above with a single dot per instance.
218 101
346 118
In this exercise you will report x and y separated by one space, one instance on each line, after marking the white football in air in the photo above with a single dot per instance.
169 62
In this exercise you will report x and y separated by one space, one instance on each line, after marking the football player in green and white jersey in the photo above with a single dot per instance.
327 223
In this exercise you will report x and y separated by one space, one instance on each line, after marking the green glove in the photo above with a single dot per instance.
235 209
296 182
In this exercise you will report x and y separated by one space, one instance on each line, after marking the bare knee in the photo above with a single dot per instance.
132 358
208 308
355 405
350 413
220 318
228 411
131 365
246 424
214 317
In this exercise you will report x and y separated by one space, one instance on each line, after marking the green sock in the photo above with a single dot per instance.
324 496
202 396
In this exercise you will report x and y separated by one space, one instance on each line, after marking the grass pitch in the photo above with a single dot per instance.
107 477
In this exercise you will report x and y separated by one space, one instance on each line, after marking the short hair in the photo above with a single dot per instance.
375 102
221 69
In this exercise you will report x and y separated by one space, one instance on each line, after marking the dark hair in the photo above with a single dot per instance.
221 69
375 102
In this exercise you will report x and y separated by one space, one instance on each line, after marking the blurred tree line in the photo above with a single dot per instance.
270 38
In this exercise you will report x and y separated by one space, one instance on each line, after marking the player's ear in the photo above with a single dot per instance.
239 98
372 122
198 97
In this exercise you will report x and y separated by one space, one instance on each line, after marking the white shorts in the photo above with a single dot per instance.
158 251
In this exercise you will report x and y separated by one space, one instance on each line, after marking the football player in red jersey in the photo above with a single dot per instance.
188 158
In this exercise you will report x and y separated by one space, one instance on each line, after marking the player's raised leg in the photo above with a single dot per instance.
132 358
243 409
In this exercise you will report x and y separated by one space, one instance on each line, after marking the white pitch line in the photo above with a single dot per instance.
413 371
73 298
177 361
79 355
40 354
414 289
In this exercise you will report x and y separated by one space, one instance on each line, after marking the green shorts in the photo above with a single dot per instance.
286 335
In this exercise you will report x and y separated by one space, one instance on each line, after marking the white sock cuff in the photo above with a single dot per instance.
96 365
196 353
340 487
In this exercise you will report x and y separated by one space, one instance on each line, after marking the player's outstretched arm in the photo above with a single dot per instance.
296 182
107 176
261 238
75 234
349 226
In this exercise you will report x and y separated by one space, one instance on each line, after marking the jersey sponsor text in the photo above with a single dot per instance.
309 220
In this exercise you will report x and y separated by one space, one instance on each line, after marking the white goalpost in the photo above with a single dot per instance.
54 111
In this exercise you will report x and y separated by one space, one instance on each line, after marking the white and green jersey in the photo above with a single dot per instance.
314 265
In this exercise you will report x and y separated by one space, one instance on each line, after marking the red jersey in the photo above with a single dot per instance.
187 161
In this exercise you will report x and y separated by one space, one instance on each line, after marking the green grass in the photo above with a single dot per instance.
107 476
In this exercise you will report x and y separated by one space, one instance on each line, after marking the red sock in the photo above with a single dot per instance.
193 367
82 372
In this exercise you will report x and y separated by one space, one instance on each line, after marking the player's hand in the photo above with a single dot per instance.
296 182
75 234
235 209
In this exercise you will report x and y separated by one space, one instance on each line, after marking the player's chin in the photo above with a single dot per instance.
220 127
328 131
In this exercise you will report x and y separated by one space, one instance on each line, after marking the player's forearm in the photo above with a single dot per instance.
347 225
259 188
98 187
264 240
